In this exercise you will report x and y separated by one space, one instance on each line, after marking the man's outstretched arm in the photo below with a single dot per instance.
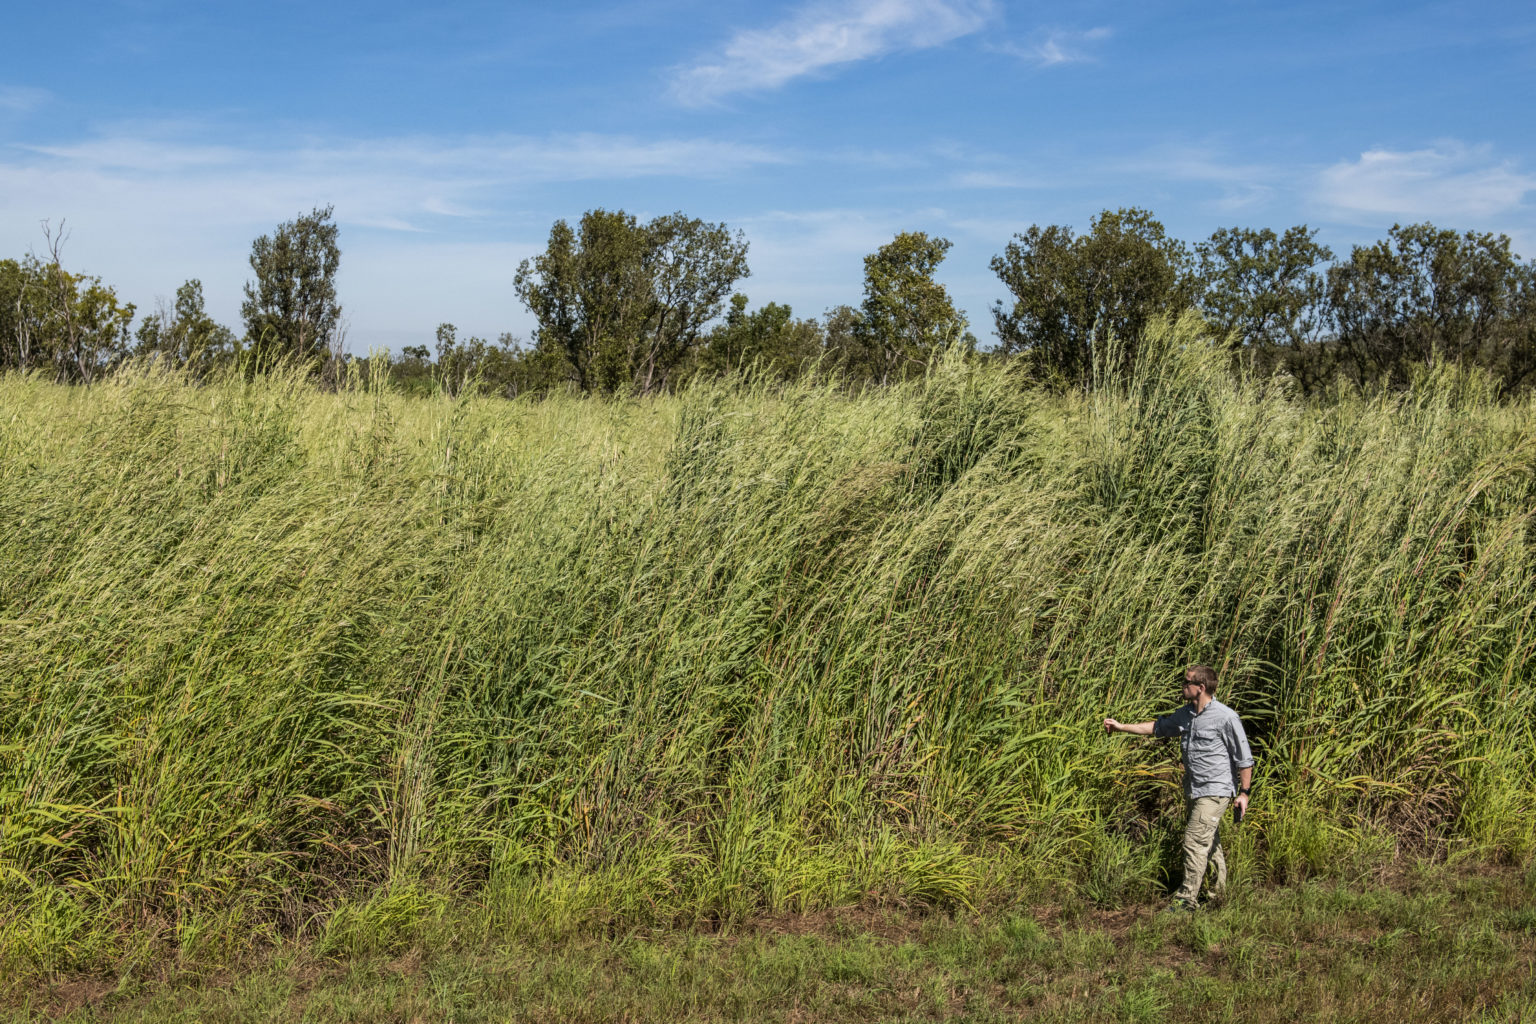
1135 729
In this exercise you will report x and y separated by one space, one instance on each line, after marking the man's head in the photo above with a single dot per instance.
1198 678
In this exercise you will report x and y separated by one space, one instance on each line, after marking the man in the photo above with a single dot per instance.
1215 754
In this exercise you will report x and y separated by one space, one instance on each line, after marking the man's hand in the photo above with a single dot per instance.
1241 803
1111 726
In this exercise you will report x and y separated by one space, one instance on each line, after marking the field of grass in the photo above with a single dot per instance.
279 666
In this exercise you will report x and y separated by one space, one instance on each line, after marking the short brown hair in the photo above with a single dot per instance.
1204 675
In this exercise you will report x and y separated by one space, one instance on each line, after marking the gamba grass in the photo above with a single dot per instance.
281 663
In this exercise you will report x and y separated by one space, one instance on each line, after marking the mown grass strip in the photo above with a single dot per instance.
1436 944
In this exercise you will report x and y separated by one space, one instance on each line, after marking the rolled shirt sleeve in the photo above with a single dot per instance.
1237 745
1171 725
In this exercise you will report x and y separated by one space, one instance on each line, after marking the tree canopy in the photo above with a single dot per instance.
1071 294
290 309
625 307
1424 291
67 324
184 334
768 338
907 315
620 305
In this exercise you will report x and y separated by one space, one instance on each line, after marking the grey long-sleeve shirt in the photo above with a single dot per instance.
1214 745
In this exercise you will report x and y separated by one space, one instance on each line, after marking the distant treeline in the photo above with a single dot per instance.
623 306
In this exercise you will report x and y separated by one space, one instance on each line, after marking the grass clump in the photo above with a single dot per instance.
279 665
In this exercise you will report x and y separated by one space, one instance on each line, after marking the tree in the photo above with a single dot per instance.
769 338
95 325
693 266
906 315
1071 294
70 324
475 365
411 371
847 344
1517 365
1263 291
290 310
620 304
184 334
589 294
14 342
1425 291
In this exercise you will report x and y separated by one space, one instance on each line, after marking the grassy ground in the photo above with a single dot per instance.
1428 944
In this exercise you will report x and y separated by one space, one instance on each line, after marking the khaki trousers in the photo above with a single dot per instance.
1202 846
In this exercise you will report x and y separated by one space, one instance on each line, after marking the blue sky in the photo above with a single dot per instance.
168 135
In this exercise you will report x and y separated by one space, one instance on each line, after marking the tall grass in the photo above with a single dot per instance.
271 658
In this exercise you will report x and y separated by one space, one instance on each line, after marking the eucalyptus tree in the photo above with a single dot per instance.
1070 294
1266 294
183 333
906 315
290 309
67 324
769 338
1424 291
621 305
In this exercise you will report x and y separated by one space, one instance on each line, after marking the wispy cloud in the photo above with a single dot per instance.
583 156
1059 46
823 37
150 206
1242 184
22 99
1450 179
996 179
390 183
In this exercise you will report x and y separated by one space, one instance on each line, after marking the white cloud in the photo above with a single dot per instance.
583 156
823 37
996 179
22 99
150 207
1243 185
1059 46
1450 179
1195 163
391 183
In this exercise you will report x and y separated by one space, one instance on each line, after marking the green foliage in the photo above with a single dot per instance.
411 370
907 316
290 310
68 325
622 305
1362 952
1265 293
1379 317
1070 294
846 344
769 338
1425 292
185 335
625 308
504 368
